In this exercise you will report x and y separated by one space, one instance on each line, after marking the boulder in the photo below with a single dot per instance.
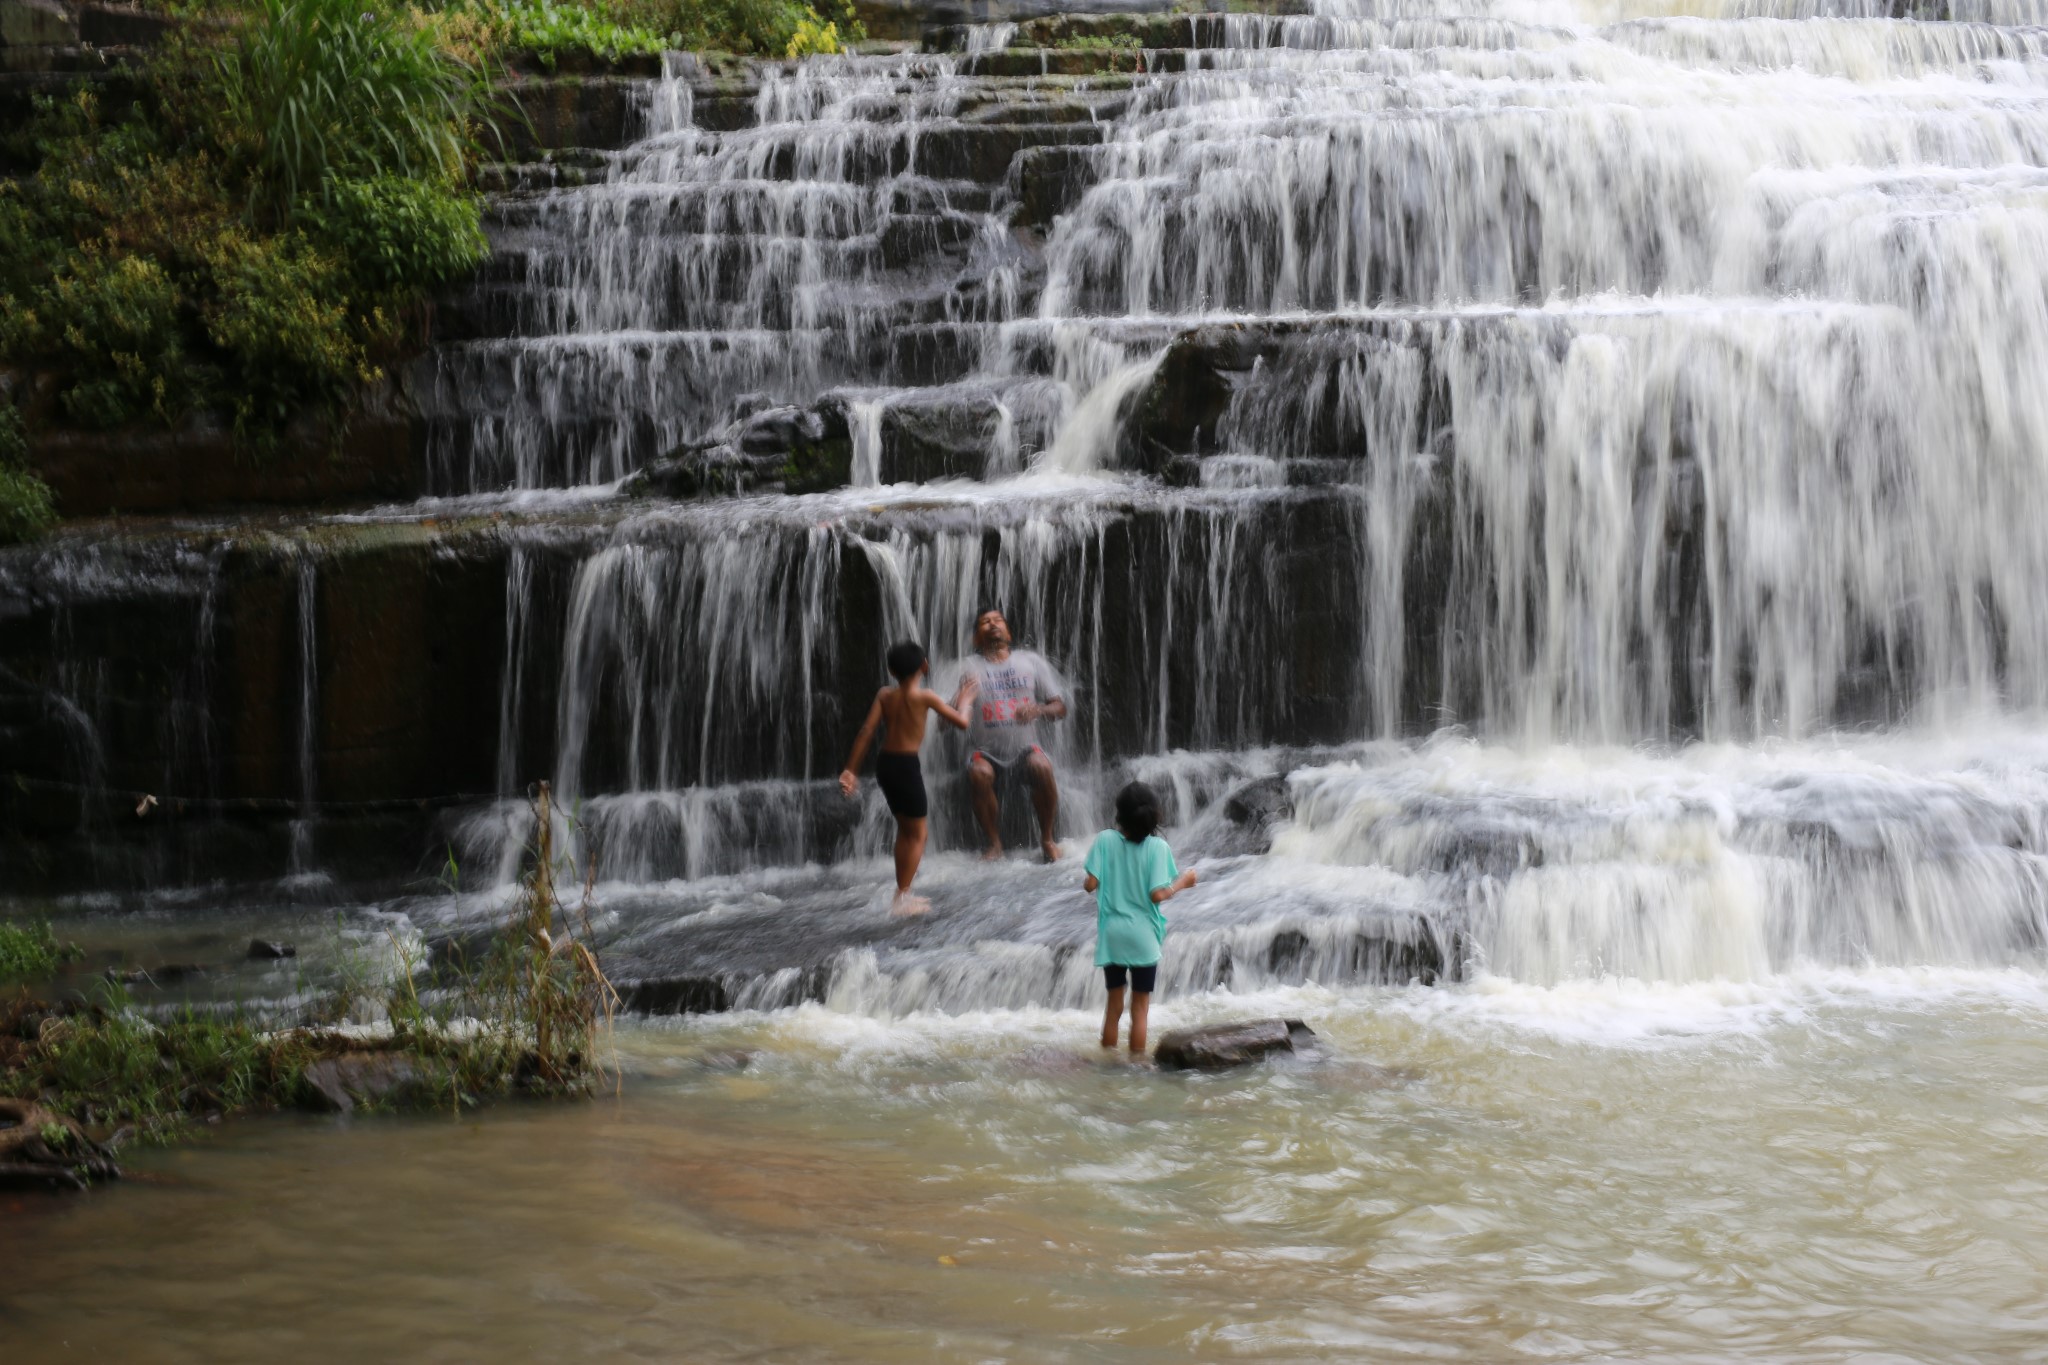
1250 814
800 450
1184 405
264 950
338 1084
1225 1045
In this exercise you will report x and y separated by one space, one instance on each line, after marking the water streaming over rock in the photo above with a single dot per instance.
1648 399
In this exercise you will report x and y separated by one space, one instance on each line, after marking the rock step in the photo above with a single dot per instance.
806 962
195 635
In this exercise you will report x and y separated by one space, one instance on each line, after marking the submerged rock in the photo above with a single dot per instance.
338 1084
1226 1045
160 975
266 950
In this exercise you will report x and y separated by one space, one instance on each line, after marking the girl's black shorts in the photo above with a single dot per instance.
1143 979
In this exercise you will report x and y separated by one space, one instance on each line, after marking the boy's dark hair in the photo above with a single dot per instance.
905 658
1137 812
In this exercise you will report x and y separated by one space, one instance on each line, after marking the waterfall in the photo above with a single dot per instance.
301 865
1544 484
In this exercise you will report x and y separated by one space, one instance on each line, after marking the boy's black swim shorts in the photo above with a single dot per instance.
901 779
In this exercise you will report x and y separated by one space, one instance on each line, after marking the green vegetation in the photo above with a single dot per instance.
1099 42
525 1019
30 950
547 32
256 222
231 239
1125 51
318 91
110 1065
26 511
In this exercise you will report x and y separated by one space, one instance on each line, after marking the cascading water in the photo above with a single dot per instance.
1572 377
1646 399
302 864
1552 494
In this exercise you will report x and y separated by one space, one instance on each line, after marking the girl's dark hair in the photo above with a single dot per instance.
1137 812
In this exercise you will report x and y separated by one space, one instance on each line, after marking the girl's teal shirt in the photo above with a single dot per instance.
1128 926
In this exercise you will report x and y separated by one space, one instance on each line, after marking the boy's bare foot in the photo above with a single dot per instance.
1051 850
907 904
992 854
1109 1043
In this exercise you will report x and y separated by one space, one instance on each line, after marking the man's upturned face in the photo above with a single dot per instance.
991 631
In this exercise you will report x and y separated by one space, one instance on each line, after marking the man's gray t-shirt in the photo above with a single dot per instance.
993 727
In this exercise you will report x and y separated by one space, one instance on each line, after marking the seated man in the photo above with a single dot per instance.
1011 691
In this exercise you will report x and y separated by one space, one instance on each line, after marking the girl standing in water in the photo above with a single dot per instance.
1132 873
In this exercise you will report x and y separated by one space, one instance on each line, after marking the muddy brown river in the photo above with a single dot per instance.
1825 1166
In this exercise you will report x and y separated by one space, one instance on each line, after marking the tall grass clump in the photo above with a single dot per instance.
538 1003
330 90
29 950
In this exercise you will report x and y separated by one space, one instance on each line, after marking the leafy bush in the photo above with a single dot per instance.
766 28
113 323
276 312
401 234
812 37
26 511
549 32
26 508
341 88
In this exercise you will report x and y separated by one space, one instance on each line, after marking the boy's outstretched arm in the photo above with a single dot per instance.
847 780
947 711
1162 894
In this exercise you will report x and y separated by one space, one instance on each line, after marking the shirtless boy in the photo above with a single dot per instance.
901 710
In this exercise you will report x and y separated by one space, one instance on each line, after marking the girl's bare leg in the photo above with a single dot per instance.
1141 1006
1112 1015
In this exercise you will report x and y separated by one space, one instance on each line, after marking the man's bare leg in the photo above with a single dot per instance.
1112 1015
1045 799
1141 1009
910 838
981 790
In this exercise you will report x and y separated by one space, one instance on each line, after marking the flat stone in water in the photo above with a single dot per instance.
1226 1045
338 1083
